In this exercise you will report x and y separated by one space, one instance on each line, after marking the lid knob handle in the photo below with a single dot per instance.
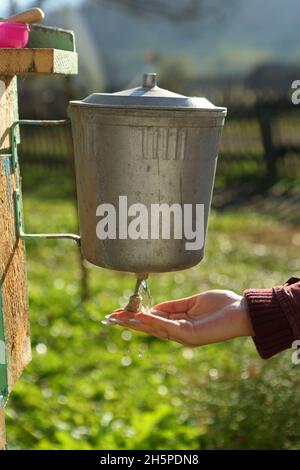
149 80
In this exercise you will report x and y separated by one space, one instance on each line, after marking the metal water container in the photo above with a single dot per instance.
145 146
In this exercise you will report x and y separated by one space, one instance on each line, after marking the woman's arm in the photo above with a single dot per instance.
270 316
204 318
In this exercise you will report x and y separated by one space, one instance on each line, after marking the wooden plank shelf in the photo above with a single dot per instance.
38 61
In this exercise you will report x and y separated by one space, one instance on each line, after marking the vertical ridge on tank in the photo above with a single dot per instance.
163 143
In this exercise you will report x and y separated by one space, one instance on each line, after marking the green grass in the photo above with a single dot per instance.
96 387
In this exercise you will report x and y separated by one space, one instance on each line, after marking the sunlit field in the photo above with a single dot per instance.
96 387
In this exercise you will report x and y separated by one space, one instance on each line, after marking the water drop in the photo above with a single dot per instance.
126 361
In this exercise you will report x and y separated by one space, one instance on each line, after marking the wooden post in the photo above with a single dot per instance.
15 351
266 117
14 303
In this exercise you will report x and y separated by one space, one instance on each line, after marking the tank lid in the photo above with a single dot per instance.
149 96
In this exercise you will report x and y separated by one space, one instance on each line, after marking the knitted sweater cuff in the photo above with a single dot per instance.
273 332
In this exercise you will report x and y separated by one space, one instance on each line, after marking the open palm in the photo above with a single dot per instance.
209 317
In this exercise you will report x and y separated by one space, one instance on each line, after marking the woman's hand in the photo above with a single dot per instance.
209 317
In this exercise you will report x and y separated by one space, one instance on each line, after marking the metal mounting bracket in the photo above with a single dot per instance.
18 193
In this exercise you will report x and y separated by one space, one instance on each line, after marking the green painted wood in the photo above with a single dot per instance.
16 109
49 37
3 362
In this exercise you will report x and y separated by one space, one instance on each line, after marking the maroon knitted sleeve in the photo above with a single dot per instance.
275 317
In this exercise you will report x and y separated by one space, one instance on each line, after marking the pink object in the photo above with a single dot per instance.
13 35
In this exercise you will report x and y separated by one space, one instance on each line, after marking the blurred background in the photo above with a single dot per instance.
95 387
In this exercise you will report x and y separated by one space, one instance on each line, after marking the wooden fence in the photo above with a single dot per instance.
258 140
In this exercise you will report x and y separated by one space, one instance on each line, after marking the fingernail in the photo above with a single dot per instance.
108 316
133 320
116 320
108 323
112 321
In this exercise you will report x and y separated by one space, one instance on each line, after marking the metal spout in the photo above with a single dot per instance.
135 303
149 80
